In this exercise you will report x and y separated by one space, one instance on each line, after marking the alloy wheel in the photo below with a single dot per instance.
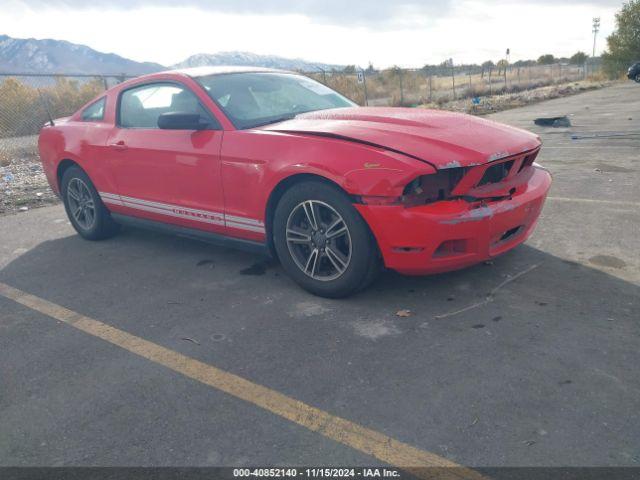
319 241
81 204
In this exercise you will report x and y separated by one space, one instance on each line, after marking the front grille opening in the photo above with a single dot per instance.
496 173
510 234
450 248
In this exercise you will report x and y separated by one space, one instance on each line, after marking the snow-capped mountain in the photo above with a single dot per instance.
29 55
254 60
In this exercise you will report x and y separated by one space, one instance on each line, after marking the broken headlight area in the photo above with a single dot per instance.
491 181
432 188
496 173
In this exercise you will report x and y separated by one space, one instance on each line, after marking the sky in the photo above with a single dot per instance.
407 33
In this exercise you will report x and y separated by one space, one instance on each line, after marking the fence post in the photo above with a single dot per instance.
470 81
430 88
505 79
453 80
401 87
490 86
364 84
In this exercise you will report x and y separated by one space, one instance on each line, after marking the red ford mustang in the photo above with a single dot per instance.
276 162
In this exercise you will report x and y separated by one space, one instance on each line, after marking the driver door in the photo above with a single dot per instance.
171 176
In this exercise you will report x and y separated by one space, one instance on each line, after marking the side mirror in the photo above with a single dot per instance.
182 121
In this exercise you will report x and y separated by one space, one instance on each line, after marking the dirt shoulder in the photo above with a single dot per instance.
23 185
505 101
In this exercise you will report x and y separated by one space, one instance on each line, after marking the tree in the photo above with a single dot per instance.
502 66
524 63
486 67
578 58
427 69
623 44
547 59
349 69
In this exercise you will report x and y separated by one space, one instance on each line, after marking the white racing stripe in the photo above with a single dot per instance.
242 226
176 211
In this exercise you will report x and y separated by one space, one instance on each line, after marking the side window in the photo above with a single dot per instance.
95 111
140 107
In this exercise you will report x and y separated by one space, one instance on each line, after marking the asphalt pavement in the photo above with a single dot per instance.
530 360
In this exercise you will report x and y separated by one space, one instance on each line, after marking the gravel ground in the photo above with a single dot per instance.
23 185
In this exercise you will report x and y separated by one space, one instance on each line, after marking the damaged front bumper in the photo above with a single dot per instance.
453 234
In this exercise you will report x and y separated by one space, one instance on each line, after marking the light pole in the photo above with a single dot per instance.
596 29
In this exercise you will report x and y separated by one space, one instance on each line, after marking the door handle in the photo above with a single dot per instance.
119 146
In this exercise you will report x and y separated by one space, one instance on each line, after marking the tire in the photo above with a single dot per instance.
79 194
346 258
637 77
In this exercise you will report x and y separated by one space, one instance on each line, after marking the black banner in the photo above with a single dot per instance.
231 473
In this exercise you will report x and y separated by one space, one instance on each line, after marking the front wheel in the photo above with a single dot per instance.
637 77
322 241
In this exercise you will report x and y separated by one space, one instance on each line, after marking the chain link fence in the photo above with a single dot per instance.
438 85
27 100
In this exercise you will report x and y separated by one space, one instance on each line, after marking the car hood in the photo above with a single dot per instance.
443 139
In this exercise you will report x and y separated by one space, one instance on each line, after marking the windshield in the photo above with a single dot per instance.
253 99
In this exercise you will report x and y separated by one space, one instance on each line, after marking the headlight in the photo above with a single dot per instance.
433 187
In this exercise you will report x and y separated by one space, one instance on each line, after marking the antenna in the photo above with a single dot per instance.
46 107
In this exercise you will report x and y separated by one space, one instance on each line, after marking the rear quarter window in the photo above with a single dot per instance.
95 111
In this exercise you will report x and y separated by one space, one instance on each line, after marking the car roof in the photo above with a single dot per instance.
223 69
196 72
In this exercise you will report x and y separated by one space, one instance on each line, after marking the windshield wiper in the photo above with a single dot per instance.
279 119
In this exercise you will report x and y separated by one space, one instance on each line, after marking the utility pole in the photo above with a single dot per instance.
596 29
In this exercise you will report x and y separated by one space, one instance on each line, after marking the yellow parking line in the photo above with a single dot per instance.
368 441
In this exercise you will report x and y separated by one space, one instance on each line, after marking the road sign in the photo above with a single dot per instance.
360 77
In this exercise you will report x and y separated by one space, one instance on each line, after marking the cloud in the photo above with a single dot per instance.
358 12
367 13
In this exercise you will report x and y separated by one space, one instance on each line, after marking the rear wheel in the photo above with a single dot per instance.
637 78
322 241
85 209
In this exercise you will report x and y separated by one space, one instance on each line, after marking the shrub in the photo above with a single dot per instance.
22 109
624 43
